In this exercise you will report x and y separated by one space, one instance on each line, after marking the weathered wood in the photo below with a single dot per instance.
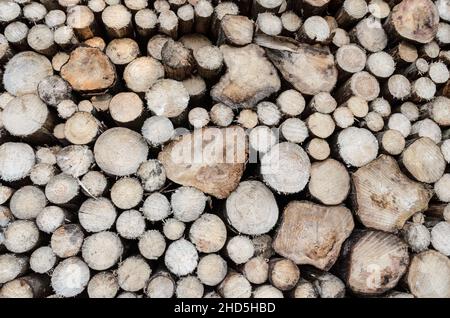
318 244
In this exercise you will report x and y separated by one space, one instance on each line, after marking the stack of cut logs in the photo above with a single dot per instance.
248 148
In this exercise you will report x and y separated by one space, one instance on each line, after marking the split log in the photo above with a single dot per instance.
373 262
320 232
289 56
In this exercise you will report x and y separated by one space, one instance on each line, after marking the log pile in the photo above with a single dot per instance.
197 148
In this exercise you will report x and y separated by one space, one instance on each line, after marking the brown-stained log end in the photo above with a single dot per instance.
89 70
